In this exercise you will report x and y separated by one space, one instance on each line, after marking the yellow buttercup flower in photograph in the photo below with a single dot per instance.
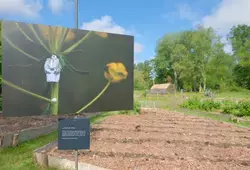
115 72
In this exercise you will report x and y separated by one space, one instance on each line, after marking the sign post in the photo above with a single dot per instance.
74 134
76 23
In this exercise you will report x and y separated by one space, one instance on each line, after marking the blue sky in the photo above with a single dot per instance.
147 20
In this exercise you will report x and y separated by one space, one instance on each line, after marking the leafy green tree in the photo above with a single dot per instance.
220 68
241 75
143 75
192 58
240 39
169 54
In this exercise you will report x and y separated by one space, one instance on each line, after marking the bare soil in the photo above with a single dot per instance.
160 140
16 124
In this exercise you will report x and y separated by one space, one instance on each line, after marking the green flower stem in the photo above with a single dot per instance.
25 91
38 38
54 94
97 97
22 31
20 50
77 43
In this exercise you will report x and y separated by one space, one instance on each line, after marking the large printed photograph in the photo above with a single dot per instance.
51 70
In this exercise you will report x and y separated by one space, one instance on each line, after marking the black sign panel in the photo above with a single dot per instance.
73 134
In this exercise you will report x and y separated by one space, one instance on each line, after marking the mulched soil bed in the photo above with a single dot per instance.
15 124
161 140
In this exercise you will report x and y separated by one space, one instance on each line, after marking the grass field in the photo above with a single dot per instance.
172 101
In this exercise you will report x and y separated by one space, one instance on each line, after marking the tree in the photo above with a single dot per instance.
220 68
143 75
190 58
241 75
169 54
240 39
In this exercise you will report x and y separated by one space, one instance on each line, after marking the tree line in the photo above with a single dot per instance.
195 60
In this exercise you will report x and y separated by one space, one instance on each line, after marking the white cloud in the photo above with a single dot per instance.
57 6
25 8
106 24
226 15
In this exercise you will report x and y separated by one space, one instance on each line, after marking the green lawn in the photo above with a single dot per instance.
21 157
172 101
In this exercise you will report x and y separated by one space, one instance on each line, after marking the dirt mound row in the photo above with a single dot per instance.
160 140
167 131
187 127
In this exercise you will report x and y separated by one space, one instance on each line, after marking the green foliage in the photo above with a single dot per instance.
241 75
139 82
239 109
195 104
195 59
137 106
143 76
234 88
209 105
192 103
240 39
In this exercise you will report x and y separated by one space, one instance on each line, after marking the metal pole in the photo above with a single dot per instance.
76 25
76 13
76 160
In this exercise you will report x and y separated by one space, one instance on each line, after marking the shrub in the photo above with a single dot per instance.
209 105
192 103
244 108
239 109
137 107
229 107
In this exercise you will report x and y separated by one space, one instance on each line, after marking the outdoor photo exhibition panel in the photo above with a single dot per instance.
51 70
